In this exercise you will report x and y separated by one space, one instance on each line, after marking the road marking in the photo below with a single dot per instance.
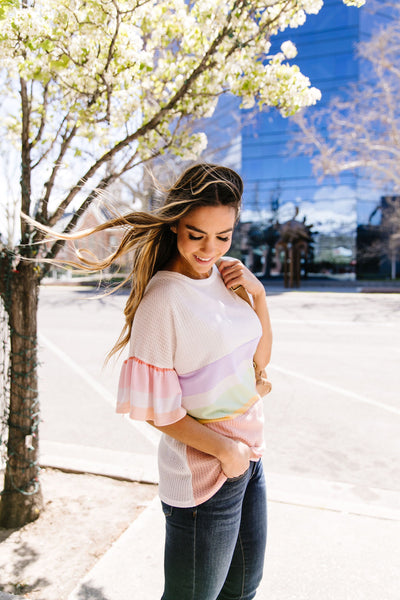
337 389
143 428
152 436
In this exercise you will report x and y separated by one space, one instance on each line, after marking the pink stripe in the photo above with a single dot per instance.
207 474
137 376
149 393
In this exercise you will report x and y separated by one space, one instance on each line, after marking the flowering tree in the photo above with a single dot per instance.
90 89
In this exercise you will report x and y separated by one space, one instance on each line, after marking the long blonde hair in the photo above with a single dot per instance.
149 237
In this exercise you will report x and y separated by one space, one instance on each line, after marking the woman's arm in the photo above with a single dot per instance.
262 355
233 455
234 273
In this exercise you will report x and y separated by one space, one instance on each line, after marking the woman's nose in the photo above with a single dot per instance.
208 246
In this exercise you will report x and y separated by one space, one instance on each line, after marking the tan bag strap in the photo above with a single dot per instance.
239 290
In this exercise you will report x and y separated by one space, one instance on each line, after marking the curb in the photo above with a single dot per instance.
286 489
72 458
135 558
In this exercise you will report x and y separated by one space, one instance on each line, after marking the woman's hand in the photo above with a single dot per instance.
234 273
234 456
236 461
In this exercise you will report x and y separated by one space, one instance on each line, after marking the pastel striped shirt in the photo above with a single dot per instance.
191 352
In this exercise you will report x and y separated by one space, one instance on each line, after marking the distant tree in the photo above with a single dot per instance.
384 245
90 89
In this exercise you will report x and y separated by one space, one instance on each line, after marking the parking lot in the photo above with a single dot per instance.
333 414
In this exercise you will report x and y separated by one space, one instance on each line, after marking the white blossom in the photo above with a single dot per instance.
289 49
357 3
104 63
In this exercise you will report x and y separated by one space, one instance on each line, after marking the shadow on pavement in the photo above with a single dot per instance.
23 556
89 592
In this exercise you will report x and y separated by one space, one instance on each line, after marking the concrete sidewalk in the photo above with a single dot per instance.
313 554
324 543
326 540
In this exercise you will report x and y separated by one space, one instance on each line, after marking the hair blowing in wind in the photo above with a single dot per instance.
148 236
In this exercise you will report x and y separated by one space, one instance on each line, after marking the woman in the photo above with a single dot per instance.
190 374
192 343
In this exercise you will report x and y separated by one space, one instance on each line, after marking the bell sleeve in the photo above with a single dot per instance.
149 388
149 393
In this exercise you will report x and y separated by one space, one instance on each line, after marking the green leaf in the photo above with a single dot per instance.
5 6
60 63
47 45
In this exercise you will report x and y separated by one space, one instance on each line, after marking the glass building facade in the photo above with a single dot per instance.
279 183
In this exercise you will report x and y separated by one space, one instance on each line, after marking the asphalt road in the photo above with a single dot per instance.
333 414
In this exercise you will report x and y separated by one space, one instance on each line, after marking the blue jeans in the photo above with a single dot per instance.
215 551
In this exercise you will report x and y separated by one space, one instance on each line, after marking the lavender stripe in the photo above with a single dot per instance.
205 379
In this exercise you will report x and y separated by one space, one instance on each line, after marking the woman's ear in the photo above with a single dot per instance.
173 228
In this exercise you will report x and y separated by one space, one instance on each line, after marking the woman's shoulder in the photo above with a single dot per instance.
177 292
162 294
163 285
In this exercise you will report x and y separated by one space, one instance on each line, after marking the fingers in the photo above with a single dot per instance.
255 453
227 261
239 460
232 272
226 265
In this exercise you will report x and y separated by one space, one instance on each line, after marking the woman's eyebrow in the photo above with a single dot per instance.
193 228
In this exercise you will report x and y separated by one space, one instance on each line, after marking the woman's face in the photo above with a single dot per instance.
203 236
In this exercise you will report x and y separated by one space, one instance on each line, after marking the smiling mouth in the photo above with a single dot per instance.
203 260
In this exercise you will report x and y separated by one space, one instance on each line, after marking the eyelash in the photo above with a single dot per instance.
193 237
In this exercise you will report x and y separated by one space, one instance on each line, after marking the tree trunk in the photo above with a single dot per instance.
21 500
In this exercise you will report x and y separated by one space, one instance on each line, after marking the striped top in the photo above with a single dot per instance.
191 352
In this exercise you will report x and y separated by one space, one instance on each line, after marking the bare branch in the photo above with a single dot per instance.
56 247
54 141
68 136
362 133
39 133
25 156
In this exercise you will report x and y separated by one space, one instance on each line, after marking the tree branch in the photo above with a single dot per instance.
25 158
43 118
95 193
56 247
205 63
146 127
52 144
67 138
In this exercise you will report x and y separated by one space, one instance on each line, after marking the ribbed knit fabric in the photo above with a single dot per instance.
191 352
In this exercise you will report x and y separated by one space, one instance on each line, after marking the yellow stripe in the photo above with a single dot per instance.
238 412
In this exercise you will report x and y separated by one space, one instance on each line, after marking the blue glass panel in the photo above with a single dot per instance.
325 54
